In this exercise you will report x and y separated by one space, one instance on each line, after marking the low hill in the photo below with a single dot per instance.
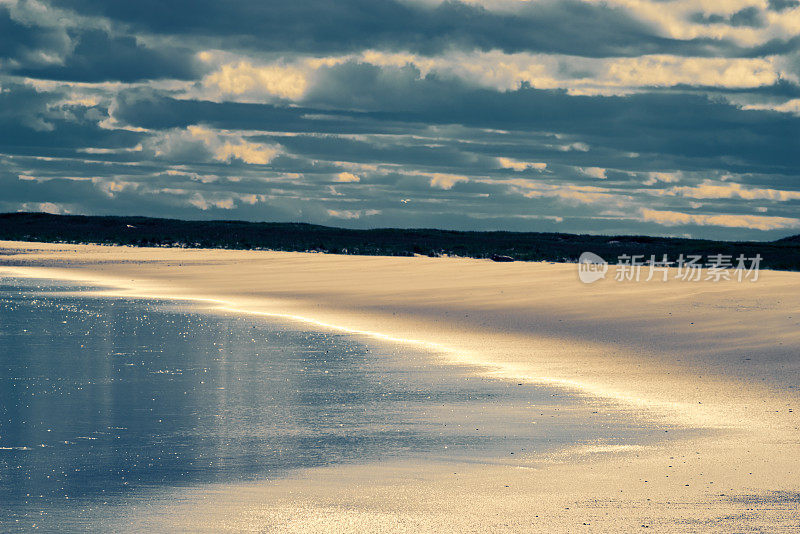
525 246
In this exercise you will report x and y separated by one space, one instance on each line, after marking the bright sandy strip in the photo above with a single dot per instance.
719 356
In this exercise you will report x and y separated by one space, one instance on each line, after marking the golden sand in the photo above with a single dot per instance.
722 358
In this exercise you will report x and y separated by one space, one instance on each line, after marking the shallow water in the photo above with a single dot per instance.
104 399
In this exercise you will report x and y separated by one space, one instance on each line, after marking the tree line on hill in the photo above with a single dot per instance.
783 254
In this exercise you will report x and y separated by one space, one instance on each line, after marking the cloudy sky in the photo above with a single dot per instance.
663 117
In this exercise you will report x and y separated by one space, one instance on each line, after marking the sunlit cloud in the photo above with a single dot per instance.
445 181
595 116
715 190
594 172
347 177
199 142
675 218
520 166
352 214
243 79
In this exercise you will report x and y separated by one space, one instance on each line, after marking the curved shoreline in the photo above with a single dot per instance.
424 301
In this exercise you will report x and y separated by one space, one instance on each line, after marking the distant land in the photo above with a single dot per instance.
783 254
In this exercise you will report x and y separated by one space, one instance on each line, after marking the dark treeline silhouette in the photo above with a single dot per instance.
522 246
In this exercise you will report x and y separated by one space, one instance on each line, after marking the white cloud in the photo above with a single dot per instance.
666 177
674 19
711 190
245 79
572 194
347 177
245 151
202 178
445 181
594 172
44 207
790 106
520 166
110 187
223 146
123 150
661 70
352 214
756 222
577 147
579 75
201 202
259 82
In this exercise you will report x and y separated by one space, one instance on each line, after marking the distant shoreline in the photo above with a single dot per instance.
783 254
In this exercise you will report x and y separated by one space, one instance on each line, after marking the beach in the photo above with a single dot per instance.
720 359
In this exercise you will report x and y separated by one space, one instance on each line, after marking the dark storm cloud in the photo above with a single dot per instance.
39 123
152 109
782 5
23 107
66 191
322 26
684 125
85 54
21 42
749 16
99 57
157 110
362 145
83 197
680 129
782 89
395 151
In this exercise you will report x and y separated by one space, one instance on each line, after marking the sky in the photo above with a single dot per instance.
657 117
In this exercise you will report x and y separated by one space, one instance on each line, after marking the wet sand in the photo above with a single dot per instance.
723 358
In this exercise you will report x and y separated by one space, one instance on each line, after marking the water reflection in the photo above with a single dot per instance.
101 397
